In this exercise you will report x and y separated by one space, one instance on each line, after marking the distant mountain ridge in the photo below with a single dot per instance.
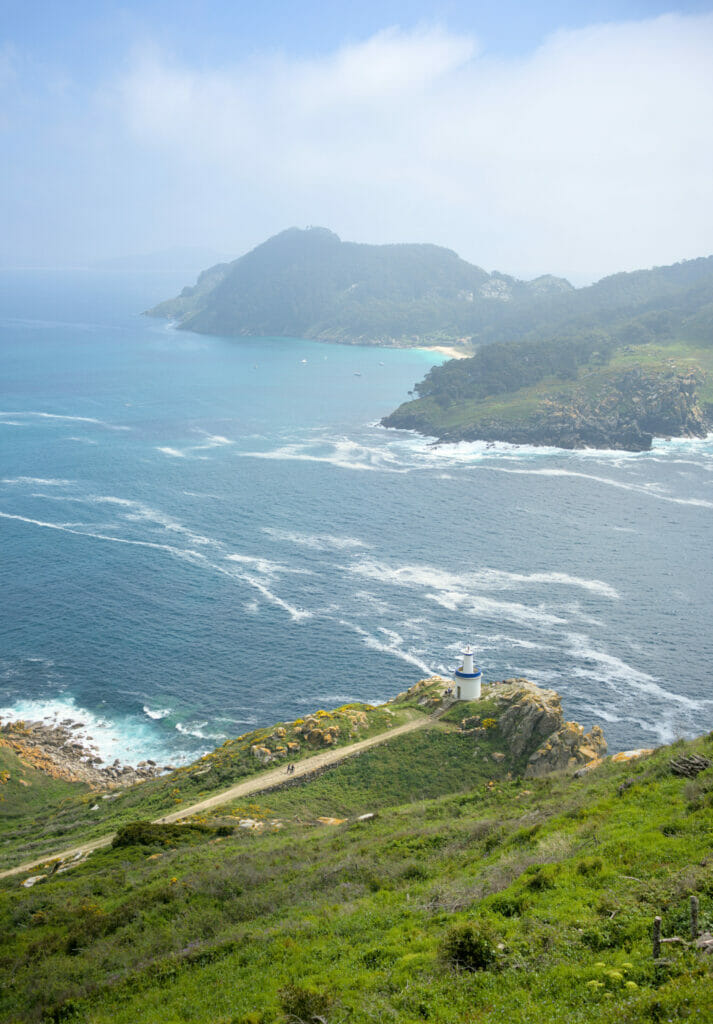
310 284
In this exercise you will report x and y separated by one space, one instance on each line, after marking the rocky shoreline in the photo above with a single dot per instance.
58 751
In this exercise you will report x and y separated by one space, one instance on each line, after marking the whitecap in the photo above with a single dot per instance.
173 452
197 732
157 714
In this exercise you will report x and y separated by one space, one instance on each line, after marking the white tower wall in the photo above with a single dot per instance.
467 677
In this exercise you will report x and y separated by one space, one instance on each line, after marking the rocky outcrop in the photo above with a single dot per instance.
531 719
56 751
569 748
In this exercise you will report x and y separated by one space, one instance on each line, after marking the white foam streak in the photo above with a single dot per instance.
37 481
67 419
343 453
296 614
186 554
393 649
648 491
211 441
482 579
316 541
612 670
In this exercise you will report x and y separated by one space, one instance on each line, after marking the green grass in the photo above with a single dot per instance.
566 874
684 355
411 767
26 791
61 815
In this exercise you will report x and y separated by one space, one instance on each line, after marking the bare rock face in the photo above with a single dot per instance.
568 748
531 715
533 718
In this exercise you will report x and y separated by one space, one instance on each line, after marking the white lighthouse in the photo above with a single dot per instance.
468 677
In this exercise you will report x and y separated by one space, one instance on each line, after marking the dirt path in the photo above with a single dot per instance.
255 784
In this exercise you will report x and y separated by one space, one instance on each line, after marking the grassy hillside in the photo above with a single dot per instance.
469 896
57 815
26 792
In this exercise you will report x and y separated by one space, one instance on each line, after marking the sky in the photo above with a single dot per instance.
568 138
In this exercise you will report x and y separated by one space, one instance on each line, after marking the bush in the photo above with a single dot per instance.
510 904
470 947
304 1003
590 865
147 833
543 877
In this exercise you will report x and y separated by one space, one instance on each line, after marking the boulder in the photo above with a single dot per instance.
263 755
33 880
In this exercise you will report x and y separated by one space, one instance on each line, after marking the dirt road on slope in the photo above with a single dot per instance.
255 784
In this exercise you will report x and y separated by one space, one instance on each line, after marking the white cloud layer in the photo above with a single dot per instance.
589 155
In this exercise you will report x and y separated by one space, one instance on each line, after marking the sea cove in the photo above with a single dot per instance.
201 535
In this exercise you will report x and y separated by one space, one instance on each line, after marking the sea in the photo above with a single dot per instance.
203 535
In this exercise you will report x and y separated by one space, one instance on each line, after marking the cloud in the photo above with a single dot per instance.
590 154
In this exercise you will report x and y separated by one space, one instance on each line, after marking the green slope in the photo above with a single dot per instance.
549 885
53 815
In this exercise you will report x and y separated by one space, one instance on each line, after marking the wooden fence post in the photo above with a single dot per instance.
694 918
656 936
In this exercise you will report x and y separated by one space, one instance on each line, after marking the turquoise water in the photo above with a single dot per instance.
200 535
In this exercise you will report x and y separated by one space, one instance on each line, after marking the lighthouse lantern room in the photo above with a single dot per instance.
468 677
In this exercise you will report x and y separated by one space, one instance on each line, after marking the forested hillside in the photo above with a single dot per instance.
310 284
608 366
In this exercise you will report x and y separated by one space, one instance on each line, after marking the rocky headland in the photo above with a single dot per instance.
533 737
625 413
529 722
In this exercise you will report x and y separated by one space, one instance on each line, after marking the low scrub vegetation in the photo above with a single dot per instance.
483 900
